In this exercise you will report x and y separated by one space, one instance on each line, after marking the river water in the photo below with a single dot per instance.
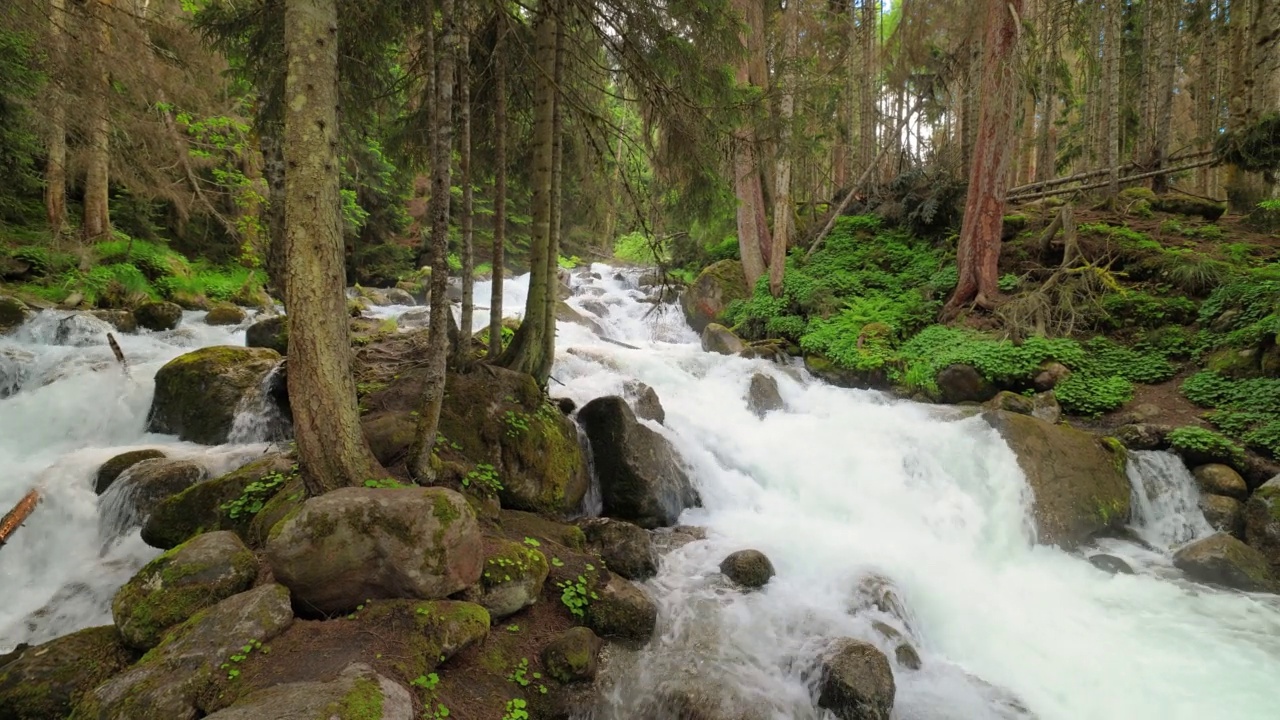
841 489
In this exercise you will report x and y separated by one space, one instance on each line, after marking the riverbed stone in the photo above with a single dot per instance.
1262 521
857 682
573 656
648 405
13 313
1221 559
1111 564
707 298
353 544
626 548
1223 513
48 680
622 610
112 469
158 316
122 320
225 314
748 568
1042 406
1218 479
763 396
272 332
717 338
513 577
1049 375
960 383
1144 436
151 482
197 394
227 502
357 691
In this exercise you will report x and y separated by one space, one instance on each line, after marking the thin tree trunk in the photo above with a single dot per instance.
273 171
978 253
543 371
499 189
97 219
782 184
322 391
1162 110
55 176
441 312
1046 143
1113 56
463 355
868 92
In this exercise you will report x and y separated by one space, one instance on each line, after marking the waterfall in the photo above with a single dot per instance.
258 416
1166 509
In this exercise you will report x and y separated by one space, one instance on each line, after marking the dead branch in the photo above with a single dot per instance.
115 349
18 515
1123 180
1100 171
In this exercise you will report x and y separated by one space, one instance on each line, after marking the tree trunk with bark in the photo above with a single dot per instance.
978 253
1046 142
97 219
543 371
332 450
752 229
462 357
782 184
1112 59
499 190
55 174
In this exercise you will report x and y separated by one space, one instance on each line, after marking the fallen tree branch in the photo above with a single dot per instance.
18 515
1129 179
1100 171
115 348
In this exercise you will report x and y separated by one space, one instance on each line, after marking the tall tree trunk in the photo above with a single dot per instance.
97 219
543 371
1255 44
1112 55
463 355
1162 101
499 189
332 451
441 312
782 185
524 354
978 253
55 176
271 139
1046 142
746 170
868 87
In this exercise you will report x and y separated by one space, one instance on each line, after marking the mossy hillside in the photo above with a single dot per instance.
1245 410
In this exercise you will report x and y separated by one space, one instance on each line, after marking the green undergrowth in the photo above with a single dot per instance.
1245 410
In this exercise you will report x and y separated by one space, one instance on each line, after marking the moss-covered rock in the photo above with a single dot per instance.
513 577
285 502
225 314
358 693
1078 480
625 548
168 680
622 610
121 320
229 502
1235 363
1224 514
748 568
641 479
857 682
433 631
179 583
1262 521
148 483
158 316
573 656
390 435
1218 479
46 682
1042 406
111 469
824 369
1179 204
527 524
272 332
197 393
352 544
717 285
13 313
963 383
1223 560
1144 436
717 338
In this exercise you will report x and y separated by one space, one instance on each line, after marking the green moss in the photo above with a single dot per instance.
444 510
364 702
1271 496
1119 452
513 562
48 681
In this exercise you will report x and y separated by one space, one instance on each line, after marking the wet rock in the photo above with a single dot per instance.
963 383
171 678
1262 521
1042 406
772 350
877 592
112 469
121 320
1078 480
415 319
622 610
718 285
281 505
1111 564
763 396
150 482
904 652
625 548
640 477
513 577
1224 514
272 332
158 316
573 656
595 307
352 544
385 297
197 394
225 314
1223 560
13 313
646 401
566 405
15 368
1143 436
82 329
48 680
717 338
357 689
748 568
857 682
179 583
1217 479
398 296
227 502
1049 375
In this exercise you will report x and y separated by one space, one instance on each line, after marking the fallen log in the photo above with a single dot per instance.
18 515
115 349
1094 186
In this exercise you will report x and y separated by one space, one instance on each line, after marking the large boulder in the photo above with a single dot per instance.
1262 521
13 313
625 548
229 502
81 329
1223 513
112 469
717 338
272 332
353 544
1218 479
357 692
158 316
640 477
573 656
857 682
197 394
645 400
15 369
828 371
748 568
121 320
513 577
136 493
179 583
1223 560
225 314
963 383
622 610
1078 480
763 396
390 435
717 285
170 680
47 681
1042 406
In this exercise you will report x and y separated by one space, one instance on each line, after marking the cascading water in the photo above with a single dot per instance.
70 408
1166 500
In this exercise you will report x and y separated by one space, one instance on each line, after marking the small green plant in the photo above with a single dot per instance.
241 655
576 594
557 562
439 712
426 682
483 477
517 423
516 710
1008 282
532 543
521 676
384 483
513 628
256 494
569 263
1205 443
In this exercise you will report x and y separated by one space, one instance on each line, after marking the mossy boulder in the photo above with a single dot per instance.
963 383
1078 480
719 339
228 502
857 682
763 396
1223 560
179 583
433 631
121 320
357 693
1235 363
112 469
390 435
1262 521
513 577
225 314
288 499
1224 514
748 568
272 332
353 544
829 372
46 681
620 609
148 483
1144 436
1218 479
13 313
1179 204
717 285
641 479
169 679
573 656
197 394
158 316
625 548
1042 406
527 524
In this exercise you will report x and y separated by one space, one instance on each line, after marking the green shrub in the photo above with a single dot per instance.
638 248
1081 394
1138 308
1246 410
1193 272
1204 442
153 259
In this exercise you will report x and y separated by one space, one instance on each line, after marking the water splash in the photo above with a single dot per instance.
1166 500
258 416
